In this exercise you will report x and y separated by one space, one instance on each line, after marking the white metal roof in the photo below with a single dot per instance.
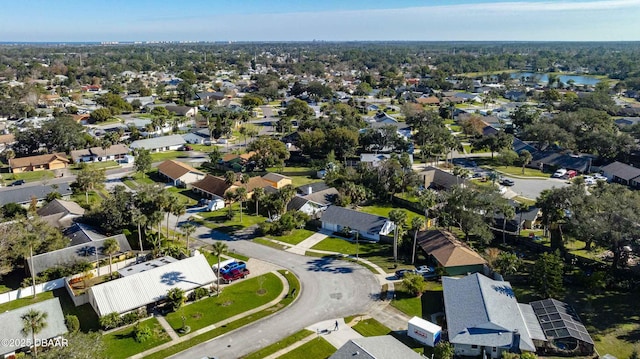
137 290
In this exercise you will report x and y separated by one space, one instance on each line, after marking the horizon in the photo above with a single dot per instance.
327 21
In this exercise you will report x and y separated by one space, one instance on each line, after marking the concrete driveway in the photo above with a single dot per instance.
330 289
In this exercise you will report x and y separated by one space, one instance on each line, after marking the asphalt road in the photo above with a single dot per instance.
531 188
330 289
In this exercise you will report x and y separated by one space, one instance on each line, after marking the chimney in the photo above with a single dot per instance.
515 342
309 190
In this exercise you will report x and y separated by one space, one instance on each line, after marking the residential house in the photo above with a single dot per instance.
550 160
523 219
443 248
215 187
99 154
60 213
379 347
91 252
368 226
438 179
237 162
146 288
428 100
383 117
181 174
619 172
24 195
195 138
484 318
39 163
80 233
159 144
277 180
313 198
186 111
516 95
207 97
14 337
563 328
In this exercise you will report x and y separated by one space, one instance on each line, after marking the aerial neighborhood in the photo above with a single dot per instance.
335 200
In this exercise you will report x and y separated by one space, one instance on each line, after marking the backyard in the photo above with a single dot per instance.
234 299
424 306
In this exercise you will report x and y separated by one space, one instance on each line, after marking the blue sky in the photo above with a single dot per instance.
331 20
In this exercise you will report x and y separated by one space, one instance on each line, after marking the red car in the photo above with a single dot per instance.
235 274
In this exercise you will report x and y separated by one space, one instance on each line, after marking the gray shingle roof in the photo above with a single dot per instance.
82 252
481 311
158 142
621 170
22 194
60 206
12 323
381 347
355 220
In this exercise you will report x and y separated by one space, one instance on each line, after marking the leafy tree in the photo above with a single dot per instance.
218 248
298 109
34 321
175 298
100 115
251 101
546 275
13 210
507 263
268 152
143 161
89 179
507 157
114 212
427 199
443 350
414 283
110 247
160 112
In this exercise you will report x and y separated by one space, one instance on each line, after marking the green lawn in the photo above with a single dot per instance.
218 219
384 209
371 328
122 344
317 348
517 171
81 198
85 313
98 165
233 300
281 344
22 302
300 176
184 195
429 303
293 283
28 176
268 243
167 155
296 236
380 254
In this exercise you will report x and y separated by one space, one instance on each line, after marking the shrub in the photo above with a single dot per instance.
175 297
199 293
528 355
414 283
443 350
110 321
130 318
142 333
72 323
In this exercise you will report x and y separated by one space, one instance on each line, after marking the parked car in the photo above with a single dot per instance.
589 180
599 177
570 174
17 183
507 182
427 272
559 173
233 266
402 272
186 148
235 274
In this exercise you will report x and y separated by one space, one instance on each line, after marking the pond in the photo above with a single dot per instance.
543 78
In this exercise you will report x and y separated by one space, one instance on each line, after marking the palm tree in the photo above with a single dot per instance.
110 247
286 194
397 216
258 193
229 197
188 229
170 207
218 249
139 218
522 207
525 158
416 225
427 200
230 178
241 196
508 212
179 209
34 322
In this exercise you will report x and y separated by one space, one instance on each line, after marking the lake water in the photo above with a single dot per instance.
578 80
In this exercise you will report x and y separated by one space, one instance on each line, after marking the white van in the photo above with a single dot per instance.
560 173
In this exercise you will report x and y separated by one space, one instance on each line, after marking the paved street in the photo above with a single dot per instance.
330 289
531 188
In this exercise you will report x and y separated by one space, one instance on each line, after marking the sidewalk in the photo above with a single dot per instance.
338 337
193 334
308 243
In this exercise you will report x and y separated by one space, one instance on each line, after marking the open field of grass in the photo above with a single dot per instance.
122 343
300 176
167 155
27 176
218 219
317 348
384 209
234 299
281 344
429 303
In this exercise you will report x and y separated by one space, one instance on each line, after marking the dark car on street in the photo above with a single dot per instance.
507 182
17 183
